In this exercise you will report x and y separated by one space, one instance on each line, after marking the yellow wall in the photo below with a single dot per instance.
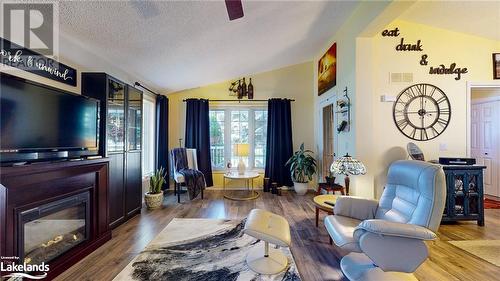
385 143
294 82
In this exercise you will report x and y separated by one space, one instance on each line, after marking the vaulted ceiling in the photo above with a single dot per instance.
480 18
177 45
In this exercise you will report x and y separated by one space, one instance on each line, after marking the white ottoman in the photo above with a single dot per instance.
269 228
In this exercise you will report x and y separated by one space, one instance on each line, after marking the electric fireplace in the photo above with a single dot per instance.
55 213
48 231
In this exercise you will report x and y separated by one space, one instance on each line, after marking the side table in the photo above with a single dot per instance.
330 187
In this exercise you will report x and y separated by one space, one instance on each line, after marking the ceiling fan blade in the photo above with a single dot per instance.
234 9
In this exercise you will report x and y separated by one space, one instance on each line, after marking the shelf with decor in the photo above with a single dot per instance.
344 113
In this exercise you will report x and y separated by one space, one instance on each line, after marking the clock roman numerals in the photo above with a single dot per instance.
402 123
422 112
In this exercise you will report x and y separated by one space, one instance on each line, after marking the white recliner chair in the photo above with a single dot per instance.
385 239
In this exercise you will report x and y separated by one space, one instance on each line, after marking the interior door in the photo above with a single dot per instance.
484 142
328 138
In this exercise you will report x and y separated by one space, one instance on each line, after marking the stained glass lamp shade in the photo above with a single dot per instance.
346 165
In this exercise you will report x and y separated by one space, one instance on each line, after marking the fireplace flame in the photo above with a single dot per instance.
56 240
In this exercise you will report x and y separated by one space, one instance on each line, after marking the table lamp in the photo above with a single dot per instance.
346 165
242 150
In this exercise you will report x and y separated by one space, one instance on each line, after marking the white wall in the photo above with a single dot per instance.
346 142
75 55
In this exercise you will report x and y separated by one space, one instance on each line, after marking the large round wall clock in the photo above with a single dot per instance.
422 112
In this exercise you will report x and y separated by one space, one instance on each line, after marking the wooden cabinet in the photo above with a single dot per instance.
120 128
464 193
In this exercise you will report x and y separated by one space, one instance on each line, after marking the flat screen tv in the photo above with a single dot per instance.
38 122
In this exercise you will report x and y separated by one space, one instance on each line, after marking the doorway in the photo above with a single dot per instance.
327 115
485 136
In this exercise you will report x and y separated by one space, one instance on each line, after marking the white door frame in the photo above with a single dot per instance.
470 85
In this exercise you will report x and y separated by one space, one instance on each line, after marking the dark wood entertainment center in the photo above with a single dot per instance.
31 191
120 140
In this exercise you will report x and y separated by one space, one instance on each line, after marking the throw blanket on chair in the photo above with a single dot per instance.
194 179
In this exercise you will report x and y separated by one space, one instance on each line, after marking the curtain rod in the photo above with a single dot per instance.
238 100
145 88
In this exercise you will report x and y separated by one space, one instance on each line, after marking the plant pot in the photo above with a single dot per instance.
300 187
153 201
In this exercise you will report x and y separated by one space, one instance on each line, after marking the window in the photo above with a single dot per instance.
231 126
148 135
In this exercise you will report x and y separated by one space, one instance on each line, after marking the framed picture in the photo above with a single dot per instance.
496 66
327 70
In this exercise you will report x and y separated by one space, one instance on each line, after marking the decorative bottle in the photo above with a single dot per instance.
250 90
240 90
244 87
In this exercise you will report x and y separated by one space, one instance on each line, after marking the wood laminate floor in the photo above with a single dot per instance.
315 257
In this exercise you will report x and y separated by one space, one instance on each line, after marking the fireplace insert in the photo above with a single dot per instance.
49 230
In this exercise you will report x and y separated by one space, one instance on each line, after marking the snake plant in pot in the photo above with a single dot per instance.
302 168
154 198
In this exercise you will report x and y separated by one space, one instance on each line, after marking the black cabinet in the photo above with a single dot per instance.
120 130
464 198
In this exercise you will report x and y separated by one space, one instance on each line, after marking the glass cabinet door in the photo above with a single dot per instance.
116 117
134 119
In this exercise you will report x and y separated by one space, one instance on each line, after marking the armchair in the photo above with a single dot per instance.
385 239
179 180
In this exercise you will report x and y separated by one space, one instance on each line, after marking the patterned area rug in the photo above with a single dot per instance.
487 250
201 250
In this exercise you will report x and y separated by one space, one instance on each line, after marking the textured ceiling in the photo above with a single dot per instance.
480 18
185 44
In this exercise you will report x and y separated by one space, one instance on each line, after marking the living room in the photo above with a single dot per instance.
250 140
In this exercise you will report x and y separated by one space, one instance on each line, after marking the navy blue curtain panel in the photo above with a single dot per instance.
279 141
161 143
198 135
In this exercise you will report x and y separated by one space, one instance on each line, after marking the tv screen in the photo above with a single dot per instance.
34 117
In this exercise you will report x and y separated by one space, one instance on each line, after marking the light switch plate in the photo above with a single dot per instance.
387 98
443 147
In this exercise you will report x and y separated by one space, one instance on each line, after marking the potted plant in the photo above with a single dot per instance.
302 168
154 198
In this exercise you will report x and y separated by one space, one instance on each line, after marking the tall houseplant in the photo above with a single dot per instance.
302 168
154 198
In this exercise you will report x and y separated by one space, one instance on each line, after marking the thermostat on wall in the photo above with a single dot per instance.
387 98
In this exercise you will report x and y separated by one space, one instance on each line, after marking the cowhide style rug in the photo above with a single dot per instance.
201 250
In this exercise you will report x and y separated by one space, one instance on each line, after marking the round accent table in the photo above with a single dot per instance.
320 204
248 177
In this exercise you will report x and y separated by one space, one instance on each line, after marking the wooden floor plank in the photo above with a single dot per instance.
315 258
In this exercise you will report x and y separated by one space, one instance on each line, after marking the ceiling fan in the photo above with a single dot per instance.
234 9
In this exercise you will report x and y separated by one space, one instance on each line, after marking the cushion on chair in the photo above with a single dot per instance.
359 267
341 230
178 177
268 227
414 194
356 207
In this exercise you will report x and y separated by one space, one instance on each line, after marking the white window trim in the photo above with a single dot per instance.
227 132
152 99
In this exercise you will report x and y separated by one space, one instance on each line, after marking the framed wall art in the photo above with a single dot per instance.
327 70
496 66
